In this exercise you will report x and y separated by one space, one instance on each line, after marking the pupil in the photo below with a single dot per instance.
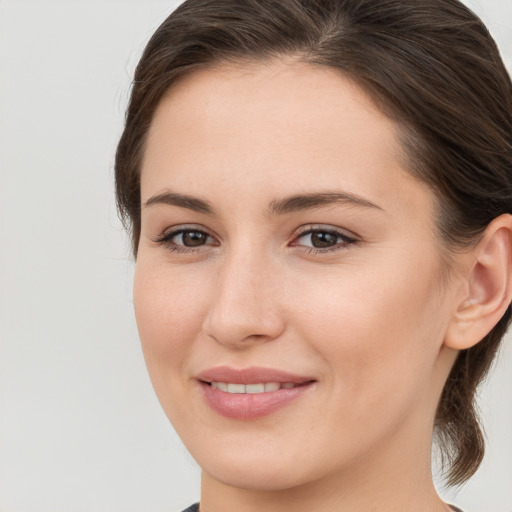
193 238
323 239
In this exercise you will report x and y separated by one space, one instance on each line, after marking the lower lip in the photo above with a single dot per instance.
247 406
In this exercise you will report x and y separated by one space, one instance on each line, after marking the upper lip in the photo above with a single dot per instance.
252 375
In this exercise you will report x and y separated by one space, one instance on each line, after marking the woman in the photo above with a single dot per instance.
320 197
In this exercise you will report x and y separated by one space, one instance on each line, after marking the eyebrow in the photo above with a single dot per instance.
182 200
303 202
297 203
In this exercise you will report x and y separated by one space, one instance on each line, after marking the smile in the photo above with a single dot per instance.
251 393
266 387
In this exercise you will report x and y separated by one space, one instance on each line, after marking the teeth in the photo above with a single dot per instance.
254 388
222 386
236 388
230 387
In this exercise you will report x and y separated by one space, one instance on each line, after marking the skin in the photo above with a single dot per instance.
368 319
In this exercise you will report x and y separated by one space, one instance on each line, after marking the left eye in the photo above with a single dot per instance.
323 239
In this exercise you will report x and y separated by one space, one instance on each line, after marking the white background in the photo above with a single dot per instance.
80 427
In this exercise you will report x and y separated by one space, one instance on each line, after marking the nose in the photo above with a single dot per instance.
245 309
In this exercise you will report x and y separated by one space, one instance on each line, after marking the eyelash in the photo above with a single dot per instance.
345 242
166 239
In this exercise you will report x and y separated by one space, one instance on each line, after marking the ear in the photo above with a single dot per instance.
487 286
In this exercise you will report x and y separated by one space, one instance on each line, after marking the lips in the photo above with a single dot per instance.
251 392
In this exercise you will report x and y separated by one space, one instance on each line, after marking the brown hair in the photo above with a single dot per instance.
431 65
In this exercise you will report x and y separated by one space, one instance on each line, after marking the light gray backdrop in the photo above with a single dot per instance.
80 427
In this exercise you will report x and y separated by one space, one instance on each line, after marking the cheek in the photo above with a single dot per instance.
169 308
375 330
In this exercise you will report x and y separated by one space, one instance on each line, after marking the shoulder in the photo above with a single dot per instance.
195 508
192 508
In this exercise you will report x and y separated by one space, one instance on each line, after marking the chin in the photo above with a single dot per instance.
260 468
275 477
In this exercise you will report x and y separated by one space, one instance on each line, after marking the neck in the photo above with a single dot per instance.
396 478
308 499
395 489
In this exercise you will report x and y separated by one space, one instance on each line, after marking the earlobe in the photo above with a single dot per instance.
487 287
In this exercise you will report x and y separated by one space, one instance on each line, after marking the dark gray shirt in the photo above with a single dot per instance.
195 508
192 508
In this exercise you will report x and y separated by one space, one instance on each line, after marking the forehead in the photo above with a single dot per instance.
274 126
295 100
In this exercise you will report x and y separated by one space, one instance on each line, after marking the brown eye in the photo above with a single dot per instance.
322 239
191 238
186 239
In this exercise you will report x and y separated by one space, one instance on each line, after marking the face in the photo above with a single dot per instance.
289 290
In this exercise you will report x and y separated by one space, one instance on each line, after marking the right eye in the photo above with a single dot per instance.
185 239
190 238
